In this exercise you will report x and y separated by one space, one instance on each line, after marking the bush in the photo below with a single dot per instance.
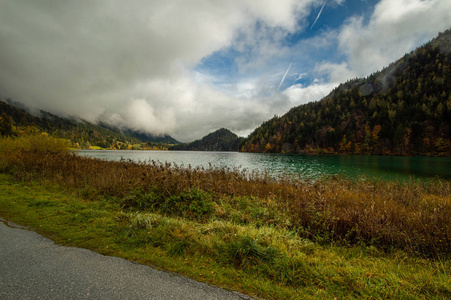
245 251
35 143
193 204
141 201
16 153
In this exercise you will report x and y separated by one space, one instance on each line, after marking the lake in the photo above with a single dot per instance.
302 166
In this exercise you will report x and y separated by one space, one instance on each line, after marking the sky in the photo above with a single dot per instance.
187 68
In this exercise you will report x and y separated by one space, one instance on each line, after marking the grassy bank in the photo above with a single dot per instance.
277 240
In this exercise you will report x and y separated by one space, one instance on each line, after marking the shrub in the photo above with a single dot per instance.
141 201
245 251
35 143
193 204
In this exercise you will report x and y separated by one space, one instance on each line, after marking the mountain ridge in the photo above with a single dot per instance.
405 109
219 140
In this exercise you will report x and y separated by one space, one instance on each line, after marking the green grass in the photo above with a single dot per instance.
96 148
263 261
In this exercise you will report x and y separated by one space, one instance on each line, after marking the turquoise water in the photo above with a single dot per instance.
303 166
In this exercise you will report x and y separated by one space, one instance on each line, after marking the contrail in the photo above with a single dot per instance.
319 14
285 75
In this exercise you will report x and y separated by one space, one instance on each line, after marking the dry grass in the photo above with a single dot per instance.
413 216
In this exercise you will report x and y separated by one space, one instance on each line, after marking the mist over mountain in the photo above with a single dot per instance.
82 134
140 135
405 109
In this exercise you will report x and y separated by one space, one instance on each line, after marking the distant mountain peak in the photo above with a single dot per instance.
219 140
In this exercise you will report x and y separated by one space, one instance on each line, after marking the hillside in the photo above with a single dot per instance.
82 134
142 136
404 109
220 140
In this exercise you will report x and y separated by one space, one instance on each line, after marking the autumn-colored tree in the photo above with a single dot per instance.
268 147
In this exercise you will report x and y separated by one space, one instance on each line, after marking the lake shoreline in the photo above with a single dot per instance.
308 166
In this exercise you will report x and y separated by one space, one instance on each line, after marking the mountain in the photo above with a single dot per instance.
404 109
82 134
220 140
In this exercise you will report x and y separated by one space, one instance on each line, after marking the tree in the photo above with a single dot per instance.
367 145
398 138
375 135
6 125
268 147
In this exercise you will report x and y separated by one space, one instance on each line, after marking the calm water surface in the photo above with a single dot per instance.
303 166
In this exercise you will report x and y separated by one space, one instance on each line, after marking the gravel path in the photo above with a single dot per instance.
33 267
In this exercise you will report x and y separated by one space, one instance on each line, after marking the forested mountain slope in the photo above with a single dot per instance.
403 110
82 134
220 140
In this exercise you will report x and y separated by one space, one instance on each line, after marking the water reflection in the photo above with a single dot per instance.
302 166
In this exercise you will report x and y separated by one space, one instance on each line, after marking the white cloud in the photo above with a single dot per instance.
337 73
132 62
396 27
139 114
299 94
